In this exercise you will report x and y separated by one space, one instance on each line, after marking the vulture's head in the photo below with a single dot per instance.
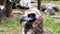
30 15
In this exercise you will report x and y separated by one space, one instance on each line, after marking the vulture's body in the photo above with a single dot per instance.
33 22
35 25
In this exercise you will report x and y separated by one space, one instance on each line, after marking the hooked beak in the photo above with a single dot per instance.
25 18
21 19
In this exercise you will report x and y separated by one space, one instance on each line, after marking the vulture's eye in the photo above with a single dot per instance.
32 15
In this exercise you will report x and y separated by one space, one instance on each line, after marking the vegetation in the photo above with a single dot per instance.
52 2
16 1
51 24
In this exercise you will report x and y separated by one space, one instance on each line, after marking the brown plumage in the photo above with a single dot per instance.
33 22
35 27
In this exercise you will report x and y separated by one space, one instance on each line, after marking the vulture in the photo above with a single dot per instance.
33 22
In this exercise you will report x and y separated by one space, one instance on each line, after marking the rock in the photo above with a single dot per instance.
46 6
56 8
25 3
50 9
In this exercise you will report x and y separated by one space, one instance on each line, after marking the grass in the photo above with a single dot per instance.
52 2
10 25
51 24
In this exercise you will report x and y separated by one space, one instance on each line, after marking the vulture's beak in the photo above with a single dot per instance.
21 19
25 18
